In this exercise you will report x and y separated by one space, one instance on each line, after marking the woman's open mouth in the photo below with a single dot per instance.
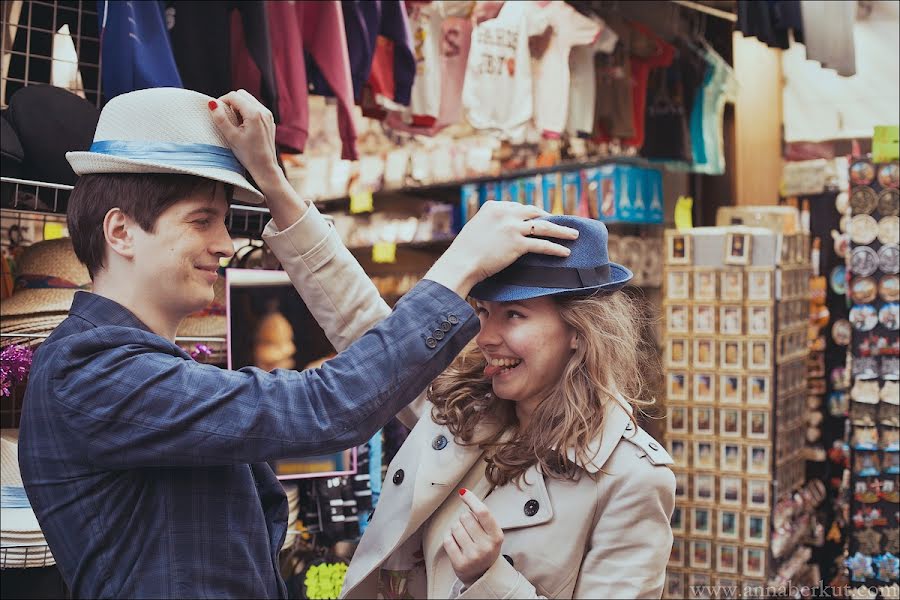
501 366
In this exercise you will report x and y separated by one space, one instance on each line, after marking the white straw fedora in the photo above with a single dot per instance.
163 130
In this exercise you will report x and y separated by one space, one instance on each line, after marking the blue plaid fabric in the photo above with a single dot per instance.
147 470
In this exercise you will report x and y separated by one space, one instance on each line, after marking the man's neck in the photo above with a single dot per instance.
159 321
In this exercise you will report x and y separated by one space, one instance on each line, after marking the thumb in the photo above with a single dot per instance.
223 123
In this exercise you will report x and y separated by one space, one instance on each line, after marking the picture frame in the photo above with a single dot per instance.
758 424
730 422
728 526
677 521
756 528
731 491
704 353
704 455
704 319
759 389
759 357
758 493
704 488
674 584
677 419
731 355
731 285
677 318
678 353
738 247
681 485
760 284
679 248
701 521
699 581
701 554
759 320
705 285
727 583
678 450
759 459
754 563
731 457
704 389
678 284
677 385
731 319
727 558
731 389
676 555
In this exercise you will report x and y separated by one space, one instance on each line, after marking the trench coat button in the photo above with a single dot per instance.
509 560
439 443
453 319
431 343
398 477
445 326
629 427
438 334
653 446
531 508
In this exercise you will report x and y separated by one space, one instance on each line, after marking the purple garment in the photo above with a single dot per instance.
364 21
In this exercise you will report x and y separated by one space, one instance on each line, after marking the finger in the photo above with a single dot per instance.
461 536
254 104
479 508
538 246
220 117
547 229
472 526
242 103
454 552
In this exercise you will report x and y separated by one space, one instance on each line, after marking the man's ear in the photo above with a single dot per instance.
118 231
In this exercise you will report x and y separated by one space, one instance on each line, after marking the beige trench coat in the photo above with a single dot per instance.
608 538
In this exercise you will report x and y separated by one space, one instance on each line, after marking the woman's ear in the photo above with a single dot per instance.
117 230
573 344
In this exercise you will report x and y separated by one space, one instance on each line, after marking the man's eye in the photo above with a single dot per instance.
203 222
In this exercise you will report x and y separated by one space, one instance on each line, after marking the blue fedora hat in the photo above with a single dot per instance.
585 271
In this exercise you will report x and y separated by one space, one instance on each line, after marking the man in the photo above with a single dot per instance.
146 470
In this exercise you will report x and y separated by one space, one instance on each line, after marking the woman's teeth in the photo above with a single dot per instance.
505 362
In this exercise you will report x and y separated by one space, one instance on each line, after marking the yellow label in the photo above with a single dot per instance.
684 218
361 202
384 252
54 231
886 143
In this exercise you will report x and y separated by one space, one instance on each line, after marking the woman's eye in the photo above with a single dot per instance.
479 311
512 314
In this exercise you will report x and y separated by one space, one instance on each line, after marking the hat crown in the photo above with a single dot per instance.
588 251
172 115
54 258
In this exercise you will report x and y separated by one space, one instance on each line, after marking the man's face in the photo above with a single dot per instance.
176 264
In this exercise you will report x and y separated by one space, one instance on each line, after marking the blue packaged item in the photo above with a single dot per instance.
489 191
654 196
626 185
531 191
552 193
469 203
509 190
639 200
607 185
571 193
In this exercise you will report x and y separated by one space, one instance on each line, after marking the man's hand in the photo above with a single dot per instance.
498 234
473 543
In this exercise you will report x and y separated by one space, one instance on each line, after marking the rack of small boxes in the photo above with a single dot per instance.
736 310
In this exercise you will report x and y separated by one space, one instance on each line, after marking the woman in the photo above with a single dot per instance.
560 493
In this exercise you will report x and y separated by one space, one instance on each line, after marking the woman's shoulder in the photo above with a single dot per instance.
639 457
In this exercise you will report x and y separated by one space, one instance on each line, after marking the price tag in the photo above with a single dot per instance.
886 143
384 252
361 202
684 218
54 231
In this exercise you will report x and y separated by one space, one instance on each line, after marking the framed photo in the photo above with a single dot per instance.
705 285
677 353
730 491
731 355
681 485
759 319
729 525
705 319
701 554
704 457
699 581
759 284
758 493
727 558
677 385
756 528
758 424
679 452
678 248
676 556
731 319
731 457
677 521
678 285
737 248
678 419
759 459
727 583
730 422
701 521
760 358
677 318
731 389
754 562
704 487
731 286
704 353
704 389
759 389
674 584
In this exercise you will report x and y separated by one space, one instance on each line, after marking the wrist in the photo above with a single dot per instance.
453 275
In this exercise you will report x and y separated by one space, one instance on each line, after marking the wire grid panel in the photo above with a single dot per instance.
54 43
31 556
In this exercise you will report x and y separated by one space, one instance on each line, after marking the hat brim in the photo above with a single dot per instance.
85 163
493 291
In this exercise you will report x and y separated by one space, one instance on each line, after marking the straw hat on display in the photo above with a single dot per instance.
164 130
22 543
49 276
210 322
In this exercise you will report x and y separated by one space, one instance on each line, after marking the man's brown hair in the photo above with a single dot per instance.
141 196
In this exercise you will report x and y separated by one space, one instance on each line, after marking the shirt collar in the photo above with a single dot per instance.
100 310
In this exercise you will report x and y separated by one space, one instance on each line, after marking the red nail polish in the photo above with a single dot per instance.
462 491
213 105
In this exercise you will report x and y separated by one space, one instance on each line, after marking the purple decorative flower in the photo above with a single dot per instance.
15 362
201 352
